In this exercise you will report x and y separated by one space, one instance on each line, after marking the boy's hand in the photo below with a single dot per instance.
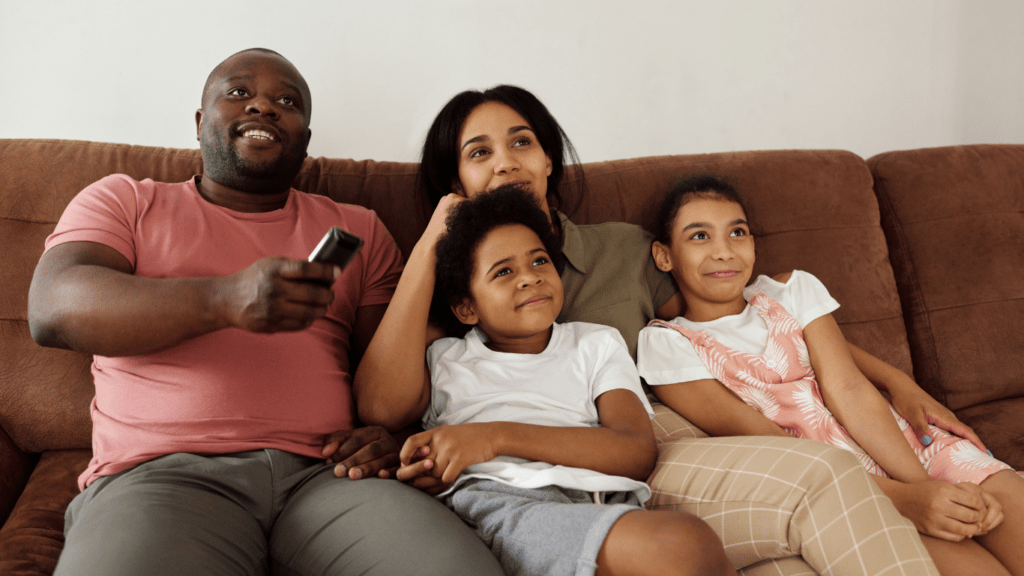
417 474
451 449
949 511
361 453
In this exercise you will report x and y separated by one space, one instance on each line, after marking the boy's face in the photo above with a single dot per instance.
516 293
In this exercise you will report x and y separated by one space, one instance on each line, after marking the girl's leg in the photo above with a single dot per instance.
654 542
964 558
1006 541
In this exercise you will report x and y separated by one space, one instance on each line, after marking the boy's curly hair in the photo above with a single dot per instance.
468 224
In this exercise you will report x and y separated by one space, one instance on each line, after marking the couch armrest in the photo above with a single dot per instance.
33 536
15 467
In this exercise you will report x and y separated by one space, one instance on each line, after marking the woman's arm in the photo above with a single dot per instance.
623 445
392 383
913 403
715 409
856 404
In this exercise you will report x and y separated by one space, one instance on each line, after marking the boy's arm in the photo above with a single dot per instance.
392 382
856 404
913 403
715 409
622 446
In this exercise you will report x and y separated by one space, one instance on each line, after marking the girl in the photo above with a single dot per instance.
775 346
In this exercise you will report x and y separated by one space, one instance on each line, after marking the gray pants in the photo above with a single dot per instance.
549 531
261 512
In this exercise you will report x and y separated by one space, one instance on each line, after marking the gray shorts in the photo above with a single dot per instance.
258 513
551 531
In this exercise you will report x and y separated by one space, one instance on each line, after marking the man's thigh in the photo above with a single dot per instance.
372 526
179 514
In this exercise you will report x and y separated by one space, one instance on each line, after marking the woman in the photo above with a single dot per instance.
481 140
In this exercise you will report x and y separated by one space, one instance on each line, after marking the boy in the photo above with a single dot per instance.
540 431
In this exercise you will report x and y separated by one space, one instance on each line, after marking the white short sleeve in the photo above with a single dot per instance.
803 295
664 356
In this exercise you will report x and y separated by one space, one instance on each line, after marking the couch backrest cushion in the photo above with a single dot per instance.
810 210
954 217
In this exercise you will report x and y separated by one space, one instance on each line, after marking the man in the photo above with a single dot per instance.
221 363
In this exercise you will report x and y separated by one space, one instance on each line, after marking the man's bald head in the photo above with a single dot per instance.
218 71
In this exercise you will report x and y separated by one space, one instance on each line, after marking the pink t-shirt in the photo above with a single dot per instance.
229 390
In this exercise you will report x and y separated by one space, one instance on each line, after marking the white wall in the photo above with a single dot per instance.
671 77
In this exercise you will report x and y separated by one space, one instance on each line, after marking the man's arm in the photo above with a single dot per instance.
85 297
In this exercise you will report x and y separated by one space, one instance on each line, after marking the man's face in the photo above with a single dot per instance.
253 128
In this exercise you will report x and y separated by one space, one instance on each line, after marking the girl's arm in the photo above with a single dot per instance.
622 446
715 409
856 404
392 383
913 403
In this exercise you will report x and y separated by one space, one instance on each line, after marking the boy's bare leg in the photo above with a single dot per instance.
652 543
1006 541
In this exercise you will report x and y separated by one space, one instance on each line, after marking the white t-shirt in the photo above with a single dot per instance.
664 356
558 387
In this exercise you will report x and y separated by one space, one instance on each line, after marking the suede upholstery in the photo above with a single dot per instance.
814 210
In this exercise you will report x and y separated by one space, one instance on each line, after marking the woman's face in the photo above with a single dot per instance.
497 146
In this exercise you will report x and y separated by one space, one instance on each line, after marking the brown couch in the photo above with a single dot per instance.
924 249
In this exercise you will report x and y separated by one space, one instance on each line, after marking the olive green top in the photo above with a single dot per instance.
610 277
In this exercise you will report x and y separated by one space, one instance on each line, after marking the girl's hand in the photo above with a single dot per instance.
920 410
451 449
947 511
994 516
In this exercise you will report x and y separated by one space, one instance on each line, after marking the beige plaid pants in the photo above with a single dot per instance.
783 506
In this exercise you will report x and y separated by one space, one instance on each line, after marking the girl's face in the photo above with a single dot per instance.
516 291
497 146
711 256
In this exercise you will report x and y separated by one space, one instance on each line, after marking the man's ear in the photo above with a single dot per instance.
465 313
199 122
549 166
457 188
662 257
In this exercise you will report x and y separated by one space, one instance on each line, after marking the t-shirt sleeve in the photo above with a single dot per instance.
383 265
105 212
806 298
665 356
439 364
616 370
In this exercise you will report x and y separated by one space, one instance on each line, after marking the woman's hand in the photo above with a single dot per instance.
921 410
438 220
913 403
